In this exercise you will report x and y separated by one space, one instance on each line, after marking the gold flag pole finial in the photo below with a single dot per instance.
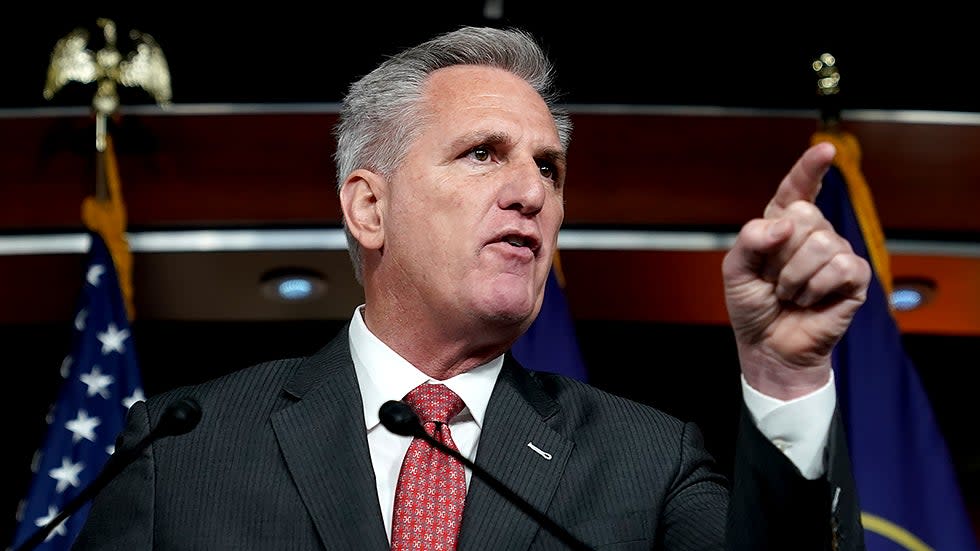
828 88
72 60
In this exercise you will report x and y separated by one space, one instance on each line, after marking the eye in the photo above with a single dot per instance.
481 153
552 171
548 170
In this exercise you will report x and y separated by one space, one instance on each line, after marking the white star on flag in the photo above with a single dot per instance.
94 273
41 521
97 382
83 426
80 319
112 339
66 474
66 366
136 396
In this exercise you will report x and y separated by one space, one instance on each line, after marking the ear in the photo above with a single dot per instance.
361 199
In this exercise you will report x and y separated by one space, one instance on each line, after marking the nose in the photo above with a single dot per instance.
525 190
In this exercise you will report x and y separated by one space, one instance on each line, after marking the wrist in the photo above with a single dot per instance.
772 377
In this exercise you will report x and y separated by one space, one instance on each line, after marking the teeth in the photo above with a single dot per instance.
515 241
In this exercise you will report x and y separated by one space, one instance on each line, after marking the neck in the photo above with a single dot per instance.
430 348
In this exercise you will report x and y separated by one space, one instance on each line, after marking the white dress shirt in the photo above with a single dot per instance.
383 375
798 427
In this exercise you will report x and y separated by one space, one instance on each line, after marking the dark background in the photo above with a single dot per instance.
917 58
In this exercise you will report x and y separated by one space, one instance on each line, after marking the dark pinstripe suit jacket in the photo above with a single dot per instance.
280 461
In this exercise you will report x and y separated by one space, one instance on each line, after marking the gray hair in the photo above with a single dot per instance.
381 114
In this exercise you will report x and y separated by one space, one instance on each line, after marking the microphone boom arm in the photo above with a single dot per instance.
178 418
399 418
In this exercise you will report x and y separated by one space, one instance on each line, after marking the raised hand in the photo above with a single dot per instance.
792 285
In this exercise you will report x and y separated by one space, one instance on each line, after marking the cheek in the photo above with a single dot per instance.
556 215
431 236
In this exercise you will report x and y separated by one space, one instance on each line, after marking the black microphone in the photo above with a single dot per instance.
180 417
400 418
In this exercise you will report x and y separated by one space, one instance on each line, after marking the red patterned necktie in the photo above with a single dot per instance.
431 485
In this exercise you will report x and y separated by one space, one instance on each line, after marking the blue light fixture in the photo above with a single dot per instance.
906 299
911 293
295 288
293 284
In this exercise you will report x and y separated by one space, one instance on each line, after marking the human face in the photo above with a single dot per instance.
474 210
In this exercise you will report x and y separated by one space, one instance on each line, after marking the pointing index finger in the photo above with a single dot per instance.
803 180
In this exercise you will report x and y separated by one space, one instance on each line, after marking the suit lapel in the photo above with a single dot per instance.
517 419
324 445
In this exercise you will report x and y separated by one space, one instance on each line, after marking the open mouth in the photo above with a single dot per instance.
523 241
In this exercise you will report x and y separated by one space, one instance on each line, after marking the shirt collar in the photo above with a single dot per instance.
383 375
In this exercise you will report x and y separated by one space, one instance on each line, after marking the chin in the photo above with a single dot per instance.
518 315
509 317
507 303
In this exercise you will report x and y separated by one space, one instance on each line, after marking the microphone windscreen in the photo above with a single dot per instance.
179 418
400 418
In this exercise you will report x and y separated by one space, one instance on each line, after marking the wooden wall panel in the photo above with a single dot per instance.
628 170
625 169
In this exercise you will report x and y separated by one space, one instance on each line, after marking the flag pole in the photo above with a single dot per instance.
905 477
101 378
146 67
848 161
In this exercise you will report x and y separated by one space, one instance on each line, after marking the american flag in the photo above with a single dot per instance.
101 382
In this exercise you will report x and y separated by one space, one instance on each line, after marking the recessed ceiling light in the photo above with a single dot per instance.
291 284
911 293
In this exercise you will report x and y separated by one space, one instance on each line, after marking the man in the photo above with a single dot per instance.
451 162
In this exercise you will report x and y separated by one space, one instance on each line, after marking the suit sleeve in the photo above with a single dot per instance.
694 509
121 516
773 507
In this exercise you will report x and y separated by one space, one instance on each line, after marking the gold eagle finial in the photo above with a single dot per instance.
73 61
828 90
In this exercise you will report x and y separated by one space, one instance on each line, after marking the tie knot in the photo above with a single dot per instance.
434 402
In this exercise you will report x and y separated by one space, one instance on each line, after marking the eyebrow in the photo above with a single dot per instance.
479 137
554 156
550 154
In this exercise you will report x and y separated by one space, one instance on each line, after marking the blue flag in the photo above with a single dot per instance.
907 486
101 381
550 344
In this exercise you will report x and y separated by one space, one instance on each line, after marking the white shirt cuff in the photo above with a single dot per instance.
799 427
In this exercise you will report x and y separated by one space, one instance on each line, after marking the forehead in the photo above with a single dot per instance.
476 94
